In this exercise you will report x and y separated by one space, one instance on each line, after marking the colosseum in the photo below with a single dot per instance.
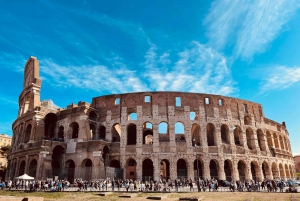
146 135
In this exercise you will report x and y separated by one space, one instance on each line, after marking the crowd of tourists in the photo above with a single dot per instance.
163 185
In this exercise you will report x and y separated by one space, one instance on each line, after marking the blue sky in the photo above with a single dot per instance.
244 49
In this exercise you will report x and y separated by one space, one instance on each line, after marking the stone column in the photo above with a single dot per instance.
206 170
221 172
17 168
40 166
139 170
235 171
155 138
156 166
26 165
191 174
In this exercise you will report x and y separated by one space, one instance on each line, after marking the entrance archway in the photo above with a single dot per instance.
131 169
165 169
213 169
198 166
22 168
147 173
32 168
228 170
88 169
57 160
181 169
242 170
70 170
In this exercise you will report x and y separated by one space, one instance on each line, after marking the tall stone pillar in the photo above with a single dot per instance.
190 167
156 166
139 170
221 172
26 165
206 170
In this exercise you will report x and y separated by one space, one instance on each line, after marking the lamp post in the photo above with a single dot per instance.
198 184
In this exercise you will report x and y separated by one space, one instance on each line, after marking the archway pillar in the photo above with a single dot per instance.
190 169
221 172
156 171
206 170
139 169
235 171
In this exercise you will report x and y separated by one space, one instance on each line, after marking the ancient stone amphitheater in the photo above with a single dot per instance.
146 135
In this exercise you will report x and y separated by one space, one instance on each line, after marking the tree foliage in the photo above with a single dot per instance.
5 149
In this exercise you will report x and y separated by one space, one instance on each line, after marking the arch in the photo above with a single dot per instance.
70 170
281 170
242 170
87 167
228 169
238 136
179 128
116 132
22 168
147 170
214 169
147 133
281 142
286 144
93 131
132 116
198 168
287 173
196 134
93 116
266 170
26 104
61 132
163 130
165 169
255 170
247 120
275 171
131 134
74 127
269 139
250 139
102 132
57 157
32 168
210 133
131 169
27 133
50 125
225 134
181 169
261 140
275 140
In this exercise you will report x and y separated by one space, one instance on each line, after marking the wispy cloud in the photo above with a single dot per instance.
249 25
280 78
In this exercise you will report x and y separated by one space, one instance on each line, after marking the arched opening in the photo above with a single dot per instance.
265 170
164 169
181 169
131 169
255 170
105 155
32 168
275 141
281 143
116 133
210 133
179 132
102 132
198 169
269 139
225 134
196 135
70 170
261 140
247 120
147 170
228 170
275 172
163 130
93 131
281 170
132 116
74 127
250 139
88 165
57 158
213 169
50 125
93 116
22 168
27 133
242 170
238 135
147 133
287 173
61 134
131 134
26 104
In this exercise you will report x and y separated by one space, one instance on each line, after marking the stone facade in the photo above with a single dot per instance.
146 135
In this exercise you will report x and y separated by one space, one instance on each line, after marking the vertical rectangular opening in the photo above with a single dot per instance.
192 115
178 101
147 99
245 108
117 101
206 100
220 102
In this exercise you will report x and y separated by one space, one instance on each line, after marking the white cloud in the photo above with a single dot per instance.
280 78
251 25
